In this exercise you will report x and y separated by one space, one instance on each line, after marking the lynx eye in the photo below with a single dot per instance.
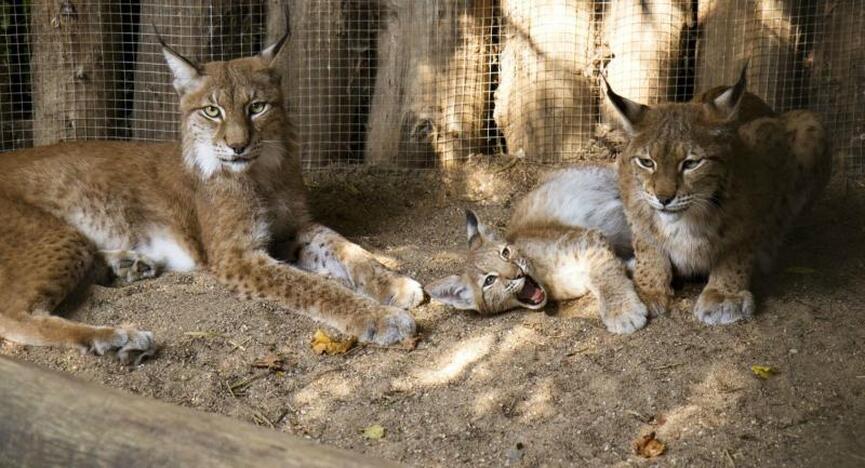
506 253
211 112
690 164
257 107
489 280
646 163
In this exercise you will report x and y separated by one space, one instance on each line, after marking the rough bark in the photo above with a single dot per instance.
432 83
644 42
838 80
765 33
544 103
75 83
219 30
325 72
49 419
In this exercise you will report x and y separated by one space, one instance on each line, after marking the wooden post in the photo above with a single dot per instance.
75 85
218 31
644 41
324 69
433 81
838 79
764 32
50 419
544 103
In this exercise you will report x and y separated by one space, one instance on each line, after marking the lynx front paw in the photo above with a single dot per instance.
132 346
625 318
657 302
714 307
393 326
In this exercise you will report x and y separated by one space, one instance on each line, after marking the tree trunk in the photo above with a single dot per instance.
765 33
838 80
644 41
432 86
50 419
544 103
325 68
75 83
218 30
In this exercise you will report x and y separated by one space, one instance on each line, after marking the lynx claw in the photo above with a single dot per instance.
394 327
716 308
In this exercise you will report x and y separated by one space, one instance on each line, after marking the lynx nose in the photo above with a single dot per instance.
665 200
238 149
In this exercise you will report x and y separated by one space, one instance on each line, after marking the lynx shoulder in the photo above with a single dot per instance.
710 187
226 200
560 244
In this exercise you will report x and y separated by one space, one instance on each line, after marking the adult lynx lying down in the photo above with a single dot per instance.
220 201
559 244
710 187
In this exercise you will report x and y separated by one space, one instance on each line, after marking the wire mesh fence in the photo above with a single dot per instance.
429 83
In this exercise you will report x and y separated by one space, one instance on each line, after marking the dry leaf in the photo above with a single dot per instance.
321 343
376 431
648 446
272 361
764 372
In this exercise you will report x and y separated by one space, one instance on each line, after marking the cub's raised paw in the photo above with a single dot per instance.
626 318
656 302
389 328
715 308
132 346
404 292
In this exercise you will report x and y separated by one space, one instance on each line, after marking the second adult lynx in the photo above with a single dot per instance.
560 244
710 187
221 201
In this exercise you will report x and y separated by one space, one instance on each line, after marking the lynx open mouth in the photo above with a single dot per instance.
532 295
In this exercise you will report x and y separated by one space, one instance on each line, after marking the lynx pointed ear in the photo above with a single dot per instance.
453 291
186 73
630 112
272 51
727 103
472 223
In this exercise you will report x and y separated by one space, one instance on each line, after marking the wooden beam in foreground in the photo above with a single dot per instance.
51 419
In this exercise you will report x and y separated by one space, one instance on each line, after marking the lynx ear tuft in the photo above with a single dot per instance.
187 73
630 112
453 291
726 105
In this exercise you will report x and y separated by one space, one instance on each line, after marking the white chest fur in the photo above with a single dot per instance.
686 242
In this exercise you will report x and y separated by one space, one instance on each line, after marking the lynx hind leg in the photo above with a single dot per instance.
620 307
324 251
36 274
128 265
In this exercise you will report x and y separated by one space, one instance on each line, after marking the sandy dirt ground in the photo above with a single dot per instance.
523 388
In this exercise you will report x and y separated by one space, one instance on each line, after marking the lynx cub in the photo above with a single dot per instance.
560 245
221 201
710 187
